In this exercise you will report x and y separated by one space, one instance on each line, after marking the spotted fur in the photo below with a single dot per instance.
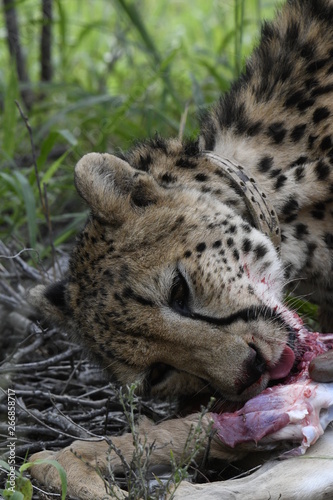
169 282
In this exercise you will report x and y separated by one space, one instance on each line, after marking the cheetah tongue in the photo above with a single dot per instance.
282 368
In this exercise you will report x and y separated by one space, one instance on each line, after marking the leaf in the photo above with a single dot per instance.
88 28
4 465
7 494
53 168
70 138
21 186
26 192
60 469
46 148
24 486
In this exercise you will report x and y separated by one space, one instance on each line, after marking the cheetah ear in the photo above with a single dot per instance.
111 187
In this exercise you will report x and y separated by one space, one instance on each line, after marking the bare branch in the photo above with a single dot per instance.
15 50
46 42
39 365
29 271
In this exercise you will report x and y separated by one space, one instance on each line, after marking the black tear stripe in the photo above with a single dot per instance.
128 293
253 313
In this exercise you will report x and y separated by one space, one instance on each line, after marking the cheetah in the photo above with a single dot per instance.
178 278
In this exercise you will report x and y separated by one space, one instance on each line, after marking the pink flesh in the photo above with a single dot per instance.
282 368
297 411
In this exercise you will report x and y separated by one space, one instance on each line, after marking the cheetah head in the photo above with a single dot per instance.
170 286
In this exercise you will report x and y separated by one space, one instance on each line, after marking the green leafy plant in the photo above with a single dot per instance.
23 486
120 72
137 471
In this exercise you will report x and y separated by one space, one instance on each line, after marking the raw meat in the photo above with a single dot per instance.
296 411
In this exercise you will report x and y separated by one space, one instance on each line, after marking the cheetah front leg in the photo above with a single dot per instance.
85 462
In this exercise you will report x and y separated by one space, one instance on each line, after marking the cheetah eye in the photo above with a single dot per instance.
179 296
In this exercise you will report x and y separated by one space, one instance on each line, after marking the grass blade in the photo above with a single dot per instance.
30 206
136 20
239 10
53 168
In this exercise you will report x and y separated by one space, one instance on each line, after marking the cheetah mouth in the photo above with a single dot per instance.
283 366
271 374
286 362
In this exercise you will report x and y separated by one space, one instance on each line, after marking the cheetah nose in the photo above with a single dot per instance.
255 365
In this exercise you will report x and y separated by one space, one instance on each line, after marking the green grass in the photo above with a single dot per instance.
122 71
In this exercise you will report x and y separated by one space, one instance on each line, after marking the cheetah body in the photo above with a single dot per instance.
169 282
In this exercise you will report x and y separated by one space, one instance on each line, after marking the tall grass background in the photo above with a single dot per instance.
122 70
